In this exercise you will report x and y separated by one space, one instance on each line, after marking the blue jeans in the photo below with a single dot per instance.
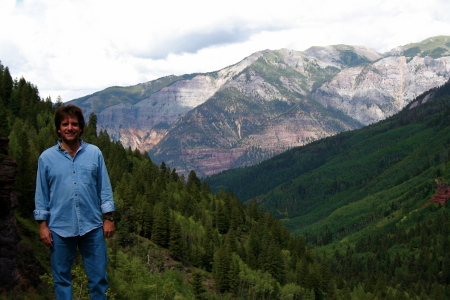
92 247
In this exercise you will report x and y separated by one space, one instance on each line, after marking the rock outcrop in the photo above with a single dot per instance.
9 235
144 124
442 194
372 92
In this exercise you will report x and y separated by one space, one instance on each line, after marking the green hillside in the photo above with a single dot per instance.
363 198
434 47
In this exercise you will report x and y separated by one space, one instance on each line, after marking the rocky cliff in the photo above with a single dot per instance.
143 124
442 193
372 92
269 102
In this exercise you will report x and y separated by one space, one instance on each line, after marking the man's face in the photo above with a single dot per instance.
69 129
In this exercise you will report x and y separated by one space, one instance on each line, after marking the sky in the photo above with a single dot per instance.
73 48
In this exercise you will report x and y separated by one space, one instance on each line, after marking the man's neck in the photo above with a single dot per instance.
71 147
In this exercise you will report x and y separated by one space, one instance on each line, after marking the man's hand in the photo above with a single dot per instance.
108 228
45 234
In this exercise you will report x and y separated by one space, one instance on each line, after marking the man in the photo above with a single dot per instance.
74 205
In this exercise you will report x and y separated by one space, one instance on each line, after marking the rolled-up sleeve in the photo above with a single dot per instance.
42 196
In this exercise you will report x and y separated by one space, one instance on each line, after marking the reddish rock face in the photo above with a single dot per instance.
442 193
9 235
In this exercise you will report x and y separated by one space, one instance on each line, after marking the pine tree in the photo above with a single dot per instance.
6 87
193 180
221 272
254 248
90 129
222 221
234 274
230 240
193 186
175 241
26 157
199 288
208 247
2 102
161 231
302 270
145 216
4 130
273 262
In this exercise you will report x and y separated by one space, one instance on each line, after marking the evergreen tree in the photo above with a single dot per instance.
254 247
222 221
234 273
4 130
186 204
199 288
221 271
175 241
273 263
230 240
2 102
22 149
161 230
90 129
145 216
6 87
193 180
208 246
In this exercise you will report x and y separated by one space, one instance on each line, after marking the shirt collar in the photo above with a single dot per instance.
60 148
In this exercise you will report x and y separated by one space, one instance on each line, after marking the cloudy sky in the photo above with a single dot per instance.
72 48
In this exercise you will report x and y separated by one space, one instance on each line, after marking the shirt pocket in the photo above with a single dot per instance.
89 174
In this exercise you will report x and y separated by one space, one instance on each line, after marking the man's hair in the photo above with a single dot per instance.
69 110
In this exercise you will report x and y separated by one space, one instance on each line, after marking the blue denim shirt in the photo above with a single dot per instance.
72 192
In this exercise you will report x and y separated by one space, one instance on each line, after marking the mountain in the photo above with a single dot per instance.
347 182
269 102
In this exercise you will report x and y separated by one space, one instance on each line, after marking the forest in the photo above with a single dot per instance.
174 239
180 238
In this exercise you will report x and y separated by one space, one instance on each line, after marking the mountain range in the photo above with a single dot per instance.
271 101
357 183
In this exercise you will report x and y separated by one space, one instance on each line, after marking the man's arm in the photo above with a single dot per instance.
45 234
107 201
41 212
108 225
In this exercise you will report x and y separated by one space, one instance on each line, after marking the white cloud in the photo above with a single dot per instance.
73 48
